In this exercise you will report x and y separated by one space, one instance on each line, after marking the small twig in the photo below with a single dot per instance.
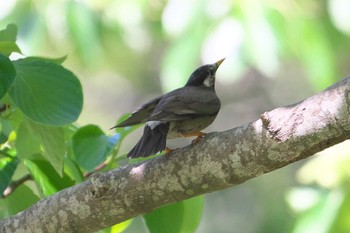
4 107
5 154
13 185
98 168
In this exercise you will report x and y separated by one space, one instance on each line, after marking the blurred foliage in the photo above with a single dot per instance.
115 34
151 45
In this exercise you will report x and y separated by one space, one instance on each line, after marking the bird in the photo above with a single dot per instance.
183 112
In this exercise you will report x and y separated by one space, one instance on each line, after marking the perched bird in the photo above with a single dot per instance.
183 112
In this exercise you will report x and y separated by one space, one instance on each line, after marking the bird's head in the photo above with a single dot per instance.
204 75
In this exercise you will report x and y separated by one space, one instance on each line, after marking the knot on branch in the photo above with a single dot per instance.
282 123
99 186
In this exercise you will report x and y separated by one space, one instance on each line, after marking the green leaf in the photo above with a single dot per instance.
72 170
46 177
5 130
28 147
341 221
181 217
320 217
46 92
7 168
8 47
21 199
7 74
90 146
52 143
118 228
9 34
3 138
58 60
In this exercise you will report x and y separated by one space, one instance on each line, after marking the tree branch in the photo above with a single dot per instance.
219 161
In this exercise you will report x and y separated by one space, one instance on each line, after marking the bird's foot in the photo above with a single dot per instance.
168 151
199 137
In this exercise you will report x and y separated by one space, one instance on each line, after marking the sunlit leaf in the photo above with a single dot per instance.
341 222
46 92
9 34
118 228
8 47
319 218
180 217
47 178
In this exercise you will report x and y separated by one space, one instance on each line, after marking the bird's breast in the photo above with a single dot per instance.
181 128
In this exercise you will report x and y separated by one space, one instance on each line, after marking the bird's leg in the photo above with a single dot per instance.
168 151
199 135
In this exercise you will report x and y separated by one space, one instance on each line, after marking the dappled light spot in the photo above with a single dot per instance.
137 172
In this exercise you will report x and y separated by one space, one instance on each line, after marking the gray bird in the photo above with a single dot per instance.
183 112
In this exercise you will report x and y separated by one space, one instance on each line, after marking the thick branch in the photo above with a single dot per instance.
221 160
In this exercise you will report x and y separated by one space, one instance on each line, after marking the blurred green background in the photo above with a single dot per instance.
277 53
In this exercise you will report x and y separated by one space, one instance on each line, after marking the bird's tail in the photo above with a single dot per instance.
152 141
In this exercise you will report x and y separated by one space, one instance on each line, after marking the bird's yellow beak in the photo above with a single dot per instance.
218 63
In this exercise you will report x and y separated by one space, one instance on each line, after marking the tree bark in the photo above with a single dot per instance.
221 160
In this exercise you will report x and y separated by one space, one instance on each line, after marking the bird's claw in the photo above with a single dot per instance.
199 137
168 152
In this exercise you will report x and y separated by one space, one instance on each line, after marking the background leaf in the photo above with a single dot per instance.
58 60
7 74
181 217
84 31
341 221
46 92
91 146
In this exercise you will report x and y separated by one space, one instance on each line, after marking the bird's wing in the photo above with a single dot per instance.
186 103
141 114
